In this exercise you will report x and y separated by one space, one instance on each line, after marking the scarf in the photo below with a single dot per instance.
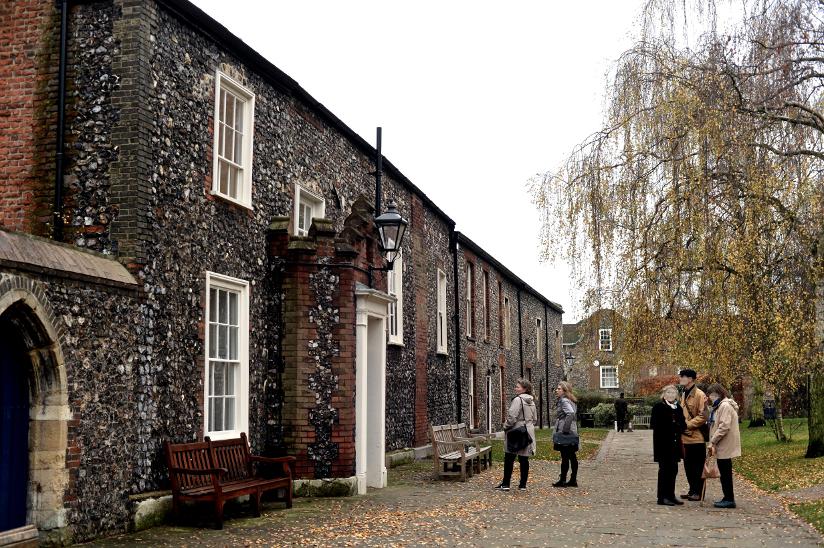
714 409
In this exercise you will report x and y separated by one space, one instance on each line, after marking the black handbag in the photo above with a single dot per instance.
518 438
562 439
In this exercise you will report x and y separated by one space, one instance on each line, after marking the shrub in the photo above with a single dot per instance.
605 413
653 385
589 399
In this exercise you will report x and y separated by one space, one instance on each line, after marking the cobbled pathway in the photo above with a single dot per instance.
615 505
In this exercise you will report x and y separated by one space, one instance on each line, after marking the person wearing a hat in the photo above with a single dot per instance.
695 446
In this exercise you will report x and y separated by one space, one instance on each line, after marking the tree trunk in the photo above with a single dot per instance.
815 408
757 410
780 434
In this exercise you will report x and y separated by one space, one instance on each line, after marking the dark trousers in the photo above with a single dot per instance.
667 471
725 467
509 464
621 419
694 465
568 457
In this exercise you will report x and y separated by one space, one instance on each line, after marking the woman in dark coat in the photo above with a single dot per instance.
667 423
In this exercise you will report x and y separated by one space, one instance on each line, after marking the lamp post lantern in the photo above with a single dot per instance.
570 361
390 225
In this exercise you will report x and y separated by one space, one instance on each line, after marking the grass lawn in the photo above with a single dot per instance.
811 512
775 466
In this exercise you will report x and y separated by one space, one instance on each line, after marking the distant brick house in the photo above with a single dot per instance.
597 354
215 273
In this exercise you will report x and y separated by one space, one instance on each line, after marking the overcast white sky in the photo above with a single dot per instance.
474 97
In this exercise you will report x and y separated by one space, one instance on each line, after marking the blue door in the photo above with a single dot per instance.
14 428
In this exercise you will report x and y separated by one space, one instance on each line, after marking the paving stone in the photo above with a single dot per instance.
615 506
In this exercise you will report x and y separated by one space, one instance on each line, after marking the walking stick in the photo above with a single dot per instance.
703 490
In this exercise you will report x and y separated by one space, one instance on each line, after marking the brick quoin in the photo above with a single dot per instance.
421 324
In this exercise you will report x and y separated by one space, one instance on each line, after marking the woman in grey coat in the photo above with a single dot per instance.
522 411
565 422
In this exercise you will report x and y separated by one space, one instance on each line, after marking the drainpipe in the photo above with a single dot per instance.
546 359
454 238
520 333
61 120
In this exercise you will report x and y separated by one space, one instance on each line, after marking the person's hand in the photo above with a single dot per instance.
711 450
706 401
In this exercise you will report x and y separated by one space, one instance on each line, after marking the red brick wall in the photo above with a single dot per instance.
28 71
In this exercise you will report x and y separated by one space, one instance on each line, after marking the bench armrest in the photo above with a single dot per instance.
200 472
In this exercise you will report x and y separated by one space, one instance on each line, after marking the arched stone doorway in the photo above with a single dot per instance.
33 353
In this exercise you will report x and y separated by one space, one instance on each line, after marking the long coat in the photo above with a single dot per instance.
695 404
514 419
565 421
667 426
724 433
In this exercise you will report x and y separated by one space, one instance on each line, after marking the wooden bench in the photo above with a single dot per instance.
458 455
221 470
460 432
640 420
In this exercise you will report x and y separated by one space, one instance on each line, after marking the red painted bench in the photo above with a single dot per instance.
221 470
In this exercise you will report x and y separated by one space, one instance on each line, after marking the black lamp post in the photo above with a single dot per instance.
570 361
391 226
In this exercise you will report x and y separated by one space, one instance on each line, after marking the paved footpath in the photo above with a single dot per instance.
615 505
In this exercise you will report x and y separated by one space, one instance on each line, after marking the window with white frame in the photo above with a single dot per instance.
605 342
234 130
470 312
486 319
394 282
441 314
507 327
609 376
539 339
307 206
227 361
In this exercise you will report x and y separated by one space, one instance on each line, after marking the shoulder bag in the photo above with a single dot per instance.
518 438
704 428
560 439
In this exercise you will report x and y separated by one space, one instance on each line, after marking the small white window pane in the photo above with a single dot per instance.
218 414
213 341
223 308
233 173
229 418
211 414
233 309
220 379
212 308
233 343
223 342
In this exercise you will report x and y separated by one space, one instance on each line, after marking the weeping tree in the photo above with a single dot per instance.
698 204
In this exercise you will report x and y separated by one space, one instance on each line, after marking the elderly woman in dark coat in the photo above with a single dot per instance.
522 411
566 423
667 423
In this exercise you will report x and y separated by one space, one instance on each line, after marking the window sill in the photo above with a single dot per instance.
231 201
442 352
471 339
396 343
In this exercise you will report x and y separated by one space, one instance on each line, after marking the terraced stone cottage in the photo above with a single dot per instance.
186 249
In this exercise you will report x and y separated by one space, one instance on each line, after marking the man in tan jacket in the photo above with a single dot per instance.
695 447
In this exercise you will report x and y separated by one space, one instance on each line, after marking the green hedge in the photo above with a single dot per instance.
589 399
605 413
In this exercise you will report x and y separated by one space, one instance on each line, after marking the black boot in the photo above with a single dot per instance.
561 482
573 482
